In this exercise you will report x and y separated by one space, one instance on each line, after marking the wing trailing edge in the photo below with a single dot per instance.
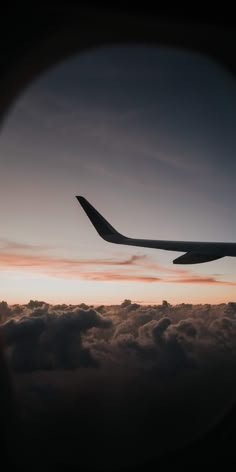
195 258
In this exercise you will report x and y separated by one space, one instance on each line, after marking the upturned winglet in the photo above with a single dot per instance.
104 229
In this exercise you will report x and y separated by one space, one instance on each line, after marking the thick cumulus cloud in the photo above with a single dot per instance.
48 338
148 378
160 338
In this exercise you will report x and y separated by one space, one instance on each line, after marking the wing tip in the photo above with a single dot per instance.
80 198
83 202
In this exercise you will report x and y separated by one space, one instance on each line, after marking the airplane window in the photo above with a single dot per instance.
110 345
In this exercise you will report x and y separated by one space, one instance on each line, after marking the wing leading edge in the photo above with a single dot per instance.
196 252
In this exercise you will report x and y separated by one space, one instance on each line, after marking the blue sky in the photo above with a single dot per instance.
146 135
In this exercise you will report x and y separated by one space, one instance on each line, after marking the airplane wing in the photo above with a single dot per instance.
195 252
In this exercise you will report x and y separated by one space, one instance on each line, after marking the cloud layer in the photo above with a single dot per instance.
148 378
182 330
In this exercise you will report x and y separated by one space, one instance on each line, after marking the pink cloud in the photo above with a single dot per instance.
76 269
105 277
195 279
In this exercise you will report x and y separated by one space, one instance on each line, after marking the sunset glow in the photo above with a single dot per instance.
146 134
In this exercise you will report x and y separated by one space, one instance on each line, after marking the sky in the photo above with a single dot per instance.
147 136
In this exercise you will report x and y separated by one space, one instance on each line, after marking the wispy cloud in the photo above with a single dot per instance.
136 268
24 260
103 276
8 245
195 279
106 276
14 260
